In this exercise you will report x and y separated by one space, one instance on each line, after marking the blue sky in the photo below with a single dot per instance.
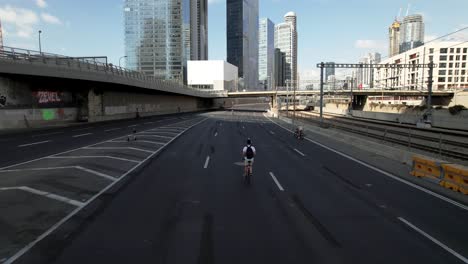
329 30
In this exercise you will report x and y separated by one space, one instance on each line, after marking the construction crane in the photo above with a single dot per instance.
1 36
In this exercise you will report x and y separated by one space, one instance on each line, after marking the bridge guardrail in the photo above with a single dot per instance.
35 57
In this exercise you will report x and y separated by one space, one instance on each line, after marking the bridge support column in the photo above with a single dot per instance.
95 104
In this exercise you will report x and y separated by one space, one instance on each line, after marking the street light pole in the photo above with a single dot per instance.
40 46
121 59
322 65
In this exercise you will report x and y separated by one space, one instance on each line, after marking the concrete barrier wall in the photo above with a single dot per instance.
111 105
30 118
440 118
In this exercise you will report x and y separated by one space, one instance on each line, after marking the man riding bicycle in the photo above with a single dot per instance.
248 152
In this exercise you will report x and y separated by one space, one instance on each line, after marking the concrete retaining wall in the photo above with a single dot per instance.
111 105
29 118
440 118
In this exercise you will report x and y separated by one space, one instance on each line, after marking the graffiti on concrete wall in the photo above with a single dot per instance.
47 97
3 100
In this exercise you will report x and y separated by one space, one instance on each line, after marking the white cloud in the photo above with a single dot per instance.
368 44
41 3
22 20
48 18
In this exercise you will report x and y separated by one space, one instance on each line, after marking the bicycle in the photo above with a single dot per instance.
248 172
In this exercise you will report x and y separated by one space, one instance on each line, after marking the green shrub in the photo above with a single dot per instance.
454 110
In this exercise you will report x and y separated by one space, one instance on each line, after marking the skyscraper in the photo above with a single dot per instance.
279 69
266 52
242 40
411 33
286 41
162 35
365 76
394 39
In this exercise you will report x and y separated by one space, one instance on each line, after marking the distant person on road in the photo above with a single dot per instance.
249 152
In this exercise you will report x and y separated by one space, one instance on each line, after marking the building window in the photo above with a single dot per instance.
431 50
452 50
457 65
463 72
443 57
465 50
457 72
450 72
450 65
431 58
442 72
449 79
441 79
443 51
457 57
451 57
464 57
462 79
463 64
442 65
458 50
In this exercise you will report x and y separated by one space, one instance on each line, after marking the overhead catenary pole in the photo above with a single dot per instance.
429 91
322 65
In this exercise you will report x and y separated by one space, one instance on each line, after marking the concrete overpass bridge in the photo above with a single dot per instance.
339 92
39 88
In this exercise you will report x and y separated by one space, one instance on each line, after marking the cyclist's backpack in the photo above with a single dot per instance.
249 154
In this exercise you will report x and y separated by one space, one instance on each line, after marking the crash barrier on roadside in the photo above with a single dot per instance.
455 177
425 167
450 176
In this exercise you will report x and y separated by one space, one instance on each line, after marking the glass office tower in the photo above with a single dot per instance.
266 52
242 40
161 35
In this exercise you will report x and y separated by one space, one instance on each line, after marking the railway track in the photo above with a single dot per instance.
411 138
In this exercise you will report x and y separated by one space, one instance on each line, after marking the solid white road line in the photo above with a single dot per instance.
448 200
82 135
134 125
277 182
45 194
63 168
48 134
207 162
35 143
144 141
149 123
437 242
81 129
216 134
271 132
300 153
74 212
122 148
148 135
92 157
112 129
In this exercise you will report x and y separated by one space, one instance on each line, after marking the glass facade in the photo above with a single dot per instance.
242 40
411 33
286 41
158 36
266 51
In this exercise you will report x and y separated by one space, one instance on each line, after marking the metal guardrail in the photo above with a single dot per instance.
436 144
95 66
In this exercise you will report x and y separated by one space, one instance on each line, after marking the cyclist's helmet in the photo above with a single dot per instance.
249 141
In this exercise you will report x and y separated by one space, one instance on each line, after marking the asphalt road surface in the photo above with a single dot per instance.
185 202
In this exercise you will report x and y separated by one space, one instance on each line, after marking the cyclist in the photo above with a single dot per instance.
248 152
299 133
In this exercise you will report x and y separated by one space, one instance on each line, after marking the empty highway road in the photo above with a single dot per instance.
175 195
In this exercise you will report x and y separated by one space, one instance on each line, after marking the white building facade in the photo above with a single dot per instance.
212 75
286 40
365 77
450 73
